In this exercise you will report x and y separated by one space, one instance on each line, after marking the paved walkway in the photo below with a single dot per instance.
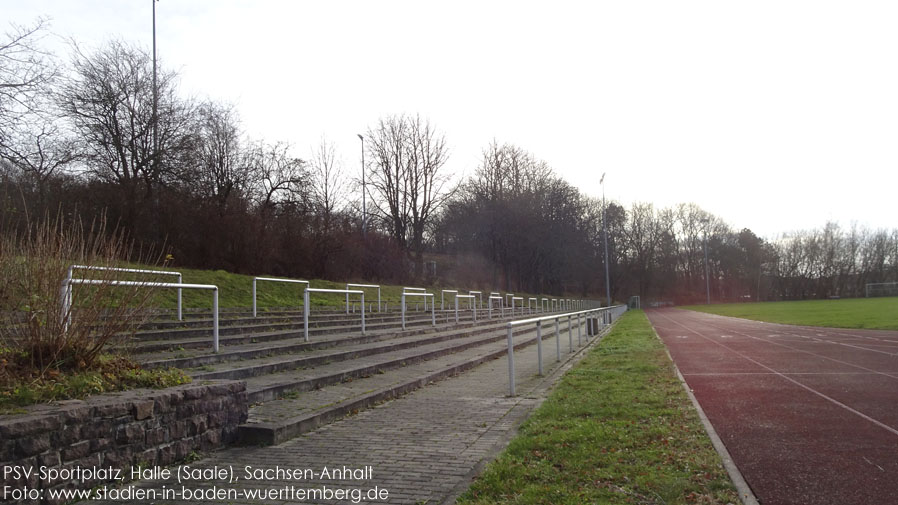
423 448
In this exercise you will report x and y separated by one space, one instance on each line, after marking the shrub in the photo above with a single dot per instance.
39 337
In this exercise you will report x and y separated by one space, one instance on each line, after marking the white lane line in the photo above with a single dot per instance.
793 381
785 373
859 367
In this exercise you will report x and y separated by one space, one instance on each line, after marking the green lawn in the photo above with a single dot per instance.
873 313
619 428
235 290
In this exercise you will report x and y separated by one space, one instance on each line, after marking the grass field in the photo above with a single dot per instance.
619 428
235 290
872 313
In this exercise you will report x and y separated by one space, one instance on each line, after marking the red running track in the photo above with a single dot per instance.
809 415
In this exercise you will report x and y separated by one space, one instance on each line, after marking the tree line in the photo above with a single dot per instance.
93 138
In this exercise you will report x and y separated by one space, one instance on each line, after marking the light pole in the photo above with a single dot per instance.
364 209
605 234
155 95
707 269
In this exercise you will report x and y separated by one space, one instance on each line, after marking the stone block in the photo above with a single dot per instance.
143 410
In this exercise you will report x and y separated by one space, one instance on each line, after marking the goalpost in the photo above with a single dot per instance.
882 289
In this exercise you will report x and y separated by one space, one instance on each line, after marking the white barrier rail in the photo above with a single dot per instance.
418 290
305 305
472 306
513 298
72 268
490 303
433 307
371 286
535 302
539 345
443 293
272 279
66 292
479 295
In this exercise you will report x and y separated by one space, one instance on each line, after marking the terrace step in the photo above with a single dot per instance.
287 346
276 421
278 362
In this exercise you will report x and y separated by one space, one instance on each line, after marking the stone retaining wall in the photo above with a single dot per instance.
118 431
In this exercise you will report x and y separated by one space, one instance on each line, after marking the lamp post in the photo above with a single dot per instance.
364 209
155 95
605 235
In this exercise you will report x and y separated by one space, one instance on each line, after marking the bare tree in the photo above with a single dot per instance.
25 72
110 103
407 175
222 168
279 178
328 181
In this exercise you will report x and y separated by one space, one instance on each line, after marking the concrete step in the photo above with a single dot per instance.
269 387
278 362
295 413
253 335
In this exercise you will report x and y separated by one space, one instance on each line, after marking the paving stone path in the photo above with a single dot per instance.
423 448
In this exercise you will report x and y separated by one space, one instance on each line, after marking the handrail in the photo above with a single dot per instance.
490 304
305 305
72 268
479 295
473 306
539 348
433 307
423 290
363 286
272 279
443 292
66 292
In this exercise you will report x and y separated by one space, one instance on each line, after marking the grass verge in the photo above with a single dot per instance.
619 428
870 313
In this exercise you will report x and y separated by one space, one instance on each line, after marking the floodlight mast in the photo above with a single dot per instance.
364 210
605 235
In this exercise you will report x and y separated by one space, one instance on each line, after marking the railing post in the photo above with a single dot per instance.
254 297
378 299
539 346
456 310
579 342
347 299
180 311
363 312
433 310
214 319
510 362
403 310
305 313
557 341
570 334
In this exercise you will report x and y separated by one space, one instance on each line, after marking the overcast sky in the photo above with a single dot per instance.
774 115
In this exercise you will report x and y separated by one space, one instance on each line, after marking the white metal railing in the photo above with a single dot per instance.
272 279
490 303
418 290
513 298
535 302
442 293
433 306
539 347
72 268
472 306
370 286
479 295
305 305
66 300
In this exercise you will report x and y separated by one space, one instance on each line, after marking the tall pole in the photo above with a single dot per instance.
605 235
155 94
707 270
364 209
